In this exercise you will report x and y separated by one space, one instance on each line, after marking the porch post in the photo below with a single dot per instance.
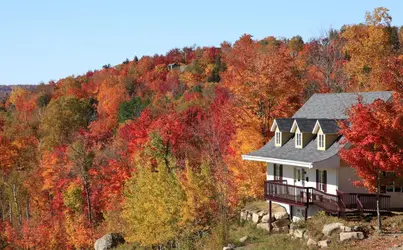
306 213
270 217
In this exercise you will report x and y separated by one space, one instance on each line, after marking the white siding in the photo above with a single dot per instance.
288 174
348 175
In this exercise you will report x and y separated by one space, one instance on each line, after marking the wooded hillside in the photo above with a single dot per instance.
151 148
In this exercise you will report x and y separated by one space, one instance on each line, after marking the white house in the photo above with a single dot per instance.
304 171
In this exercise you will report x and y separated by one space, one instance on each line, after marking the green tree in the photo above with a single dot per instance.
62 118
130 109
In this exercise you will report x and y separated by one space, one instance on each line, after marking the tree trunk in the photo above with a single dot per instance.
17 206
88 198
27 209
378 212
10 212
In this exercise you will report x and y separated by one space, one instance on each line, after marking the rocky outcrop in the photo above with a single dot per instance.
280 220
311 242
109 241
323 243
344 236
329 228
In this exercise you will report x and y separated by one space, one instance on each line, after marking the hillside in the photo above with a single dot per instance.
5 90
151 148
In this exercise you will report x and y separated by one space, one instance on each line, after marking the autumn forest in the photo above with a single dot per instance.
151 148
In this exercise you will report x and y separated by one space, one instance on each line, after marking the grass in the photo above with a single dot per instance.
259 239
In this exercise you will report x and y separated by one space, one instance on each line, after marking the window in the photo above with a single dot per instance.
278 172
278 138
321 141
321 180
298 137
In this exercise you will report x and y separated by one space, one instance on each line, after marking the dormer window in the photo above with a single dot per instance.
321 141
278 138
298 139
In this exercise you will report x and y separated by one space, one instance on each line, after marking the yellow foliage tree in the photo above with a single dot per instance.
154 199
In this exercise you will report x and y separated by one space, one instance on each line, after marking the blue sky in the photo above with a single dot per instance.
48 40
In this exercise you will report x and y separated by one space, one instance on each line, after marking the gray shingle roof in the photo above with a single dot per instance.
309 153
329 126
306 125
327 108
284 124
333 106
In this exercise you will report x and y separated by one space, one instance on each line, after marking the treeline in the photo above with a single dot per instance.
151 147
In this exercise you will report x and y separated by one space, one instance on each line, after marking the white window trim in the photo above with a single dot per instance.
323 141
278 138
298 143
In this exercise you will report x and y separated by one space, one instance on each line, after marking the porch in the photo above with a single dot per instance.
342 204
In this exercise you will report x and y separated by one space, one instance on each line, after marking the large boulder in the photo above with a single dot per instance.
329 228
256 217
229 247
266 218
281 223
298 233
243 239
280 215
281 229
323 243
311 242
244 215
109 241
264 226
351 236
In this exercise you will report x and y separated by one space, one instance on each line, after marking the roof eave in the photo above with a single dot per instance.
277 161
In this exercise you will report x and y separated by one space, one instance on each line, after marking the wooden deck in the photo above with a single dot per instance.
340 204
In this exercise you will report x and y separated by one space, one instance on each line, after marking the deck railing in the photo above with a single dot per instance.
280 191
365 202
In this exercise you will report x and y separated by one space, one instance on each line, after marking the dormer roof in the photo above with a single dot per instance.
304 125
283 124
328 126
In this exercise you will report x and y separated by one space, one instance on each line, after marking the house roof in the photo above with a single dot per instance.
327 109
309 153
333 106
284 124
329 126
305 125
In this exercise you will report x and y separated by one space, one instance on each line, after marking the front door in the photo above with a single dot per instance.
299 177
299 181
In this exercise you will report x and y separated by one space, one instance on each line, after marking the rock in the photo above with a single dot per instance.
249 216
281 223
351 236
262 213
109 241
294 226
311 242
298 233
280 215
244 215
256 218
346 229
266 218
264 226
281 229
329 228
323 243
243 239
229 247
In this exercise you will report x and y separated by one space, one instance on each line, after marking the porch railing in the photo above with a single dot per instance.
280 191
